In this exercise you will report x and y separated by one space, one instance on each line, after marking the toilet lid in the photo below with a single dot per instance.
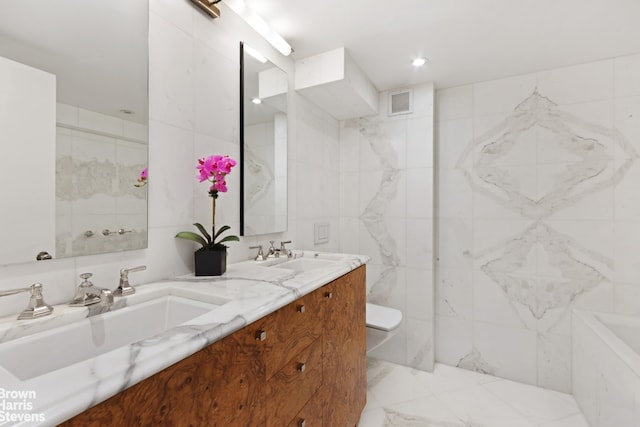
383 318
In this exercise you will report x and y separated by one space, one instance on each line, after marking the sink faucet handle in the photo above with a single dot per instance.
126 271
284 250
260 256
272 252
124 288
85 280
37 307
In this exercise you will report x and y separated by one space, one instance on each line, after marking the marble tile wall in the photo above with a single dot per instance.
259 157
314 172
265 157
98 161
538 212
606 382
193 109
386 212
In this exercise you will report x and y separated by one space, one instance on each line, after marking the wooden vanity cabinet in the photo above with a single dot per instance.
302 365
344 352
221 385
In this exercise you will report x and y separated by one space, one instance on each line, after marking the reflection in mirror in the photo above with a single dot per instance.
263 137
73 121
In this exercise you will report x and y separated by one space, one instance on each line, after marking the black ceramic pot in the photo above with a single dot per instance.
210 263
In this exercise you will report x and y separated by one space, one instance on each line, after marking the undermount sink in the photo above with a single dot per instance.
304 264
96 335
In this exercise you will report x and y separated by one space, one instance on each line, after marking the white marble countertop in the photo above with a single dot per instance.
248 290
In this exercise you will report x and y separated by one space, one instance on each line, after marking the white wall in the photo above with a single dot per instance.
193 108
386 212
27 126
538 212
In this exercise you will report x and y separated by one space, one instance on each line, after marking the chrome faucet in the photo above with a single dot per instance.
284 250
87 294
260 256
37 307
275 253
124 288
272 252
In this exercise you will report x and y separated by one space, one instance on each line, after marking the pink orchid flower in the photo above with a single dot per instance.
214 169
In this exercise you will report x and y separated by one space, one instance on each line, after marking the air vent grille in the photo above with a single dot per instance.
401 102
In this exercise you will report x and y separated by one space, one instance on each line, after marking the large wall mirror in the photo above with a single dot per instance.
73 126
263 142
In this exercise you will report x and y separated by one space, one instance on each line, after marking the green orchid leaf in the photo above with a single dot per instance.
204 232
220 231
230 239
188 235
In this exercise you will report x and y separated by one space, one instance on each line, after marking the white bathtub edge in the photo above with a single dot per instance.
618 346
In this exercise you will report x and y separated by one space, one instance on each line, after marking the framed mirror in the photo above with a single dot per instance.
73 125
263 144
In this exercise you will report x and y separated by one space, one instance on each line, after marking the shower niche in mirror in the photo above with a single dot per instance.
263 137
73 121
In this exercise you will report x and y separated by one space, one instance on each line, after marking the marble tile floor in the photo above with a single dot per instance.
452 397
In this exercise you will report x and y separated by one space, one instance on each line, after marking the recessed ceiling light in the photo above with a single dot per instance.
419 62
256 101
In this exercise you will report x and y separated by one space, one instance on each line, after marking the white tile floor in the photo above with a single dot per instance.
453 397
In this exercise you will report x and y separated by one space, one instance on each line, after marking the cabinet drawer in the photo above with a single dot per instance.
311 414
292 386
287 331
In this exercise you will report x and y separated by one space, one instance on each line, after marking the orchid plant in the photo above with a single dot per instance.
213 169
143 179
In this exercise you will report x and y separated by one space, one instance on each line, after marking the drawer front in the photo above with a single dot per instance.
311 414
289 330
292 386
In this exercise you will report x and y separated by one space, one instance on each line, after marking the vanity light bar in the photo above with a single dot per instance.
257 55
208 6
257 23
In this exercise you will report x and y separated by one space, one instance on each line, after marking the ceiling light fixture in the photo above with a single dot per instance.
256 101
208 7
257 55
257 23
419 62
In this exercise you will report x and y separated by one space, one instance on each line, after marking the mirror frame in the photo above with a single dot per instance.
242 159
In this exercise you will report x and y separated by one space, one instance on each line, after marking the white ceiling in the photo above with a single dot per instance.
465 40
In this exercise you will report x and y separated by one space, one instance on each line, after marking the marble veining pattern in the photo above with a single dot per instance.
399 396
81 244
591 143
259 177
534 167
579 270
96 177
249 290
475 362
95 190
373 216
387 172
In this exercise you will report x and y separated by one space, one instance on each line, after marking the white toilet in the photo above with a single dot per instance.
382 324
